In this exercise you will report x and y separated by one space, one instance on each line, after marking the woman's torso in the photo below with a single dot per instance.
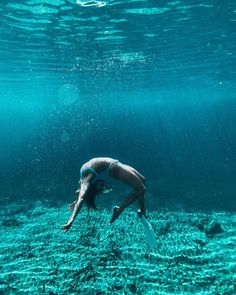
98 166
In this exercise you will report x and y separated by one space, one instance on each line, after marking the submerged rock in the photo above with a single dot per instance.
11 222
214 228
165 229
202 224
209 227
200 242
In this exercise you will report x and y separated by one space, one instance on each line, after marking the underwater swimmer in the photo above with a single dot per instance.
90 186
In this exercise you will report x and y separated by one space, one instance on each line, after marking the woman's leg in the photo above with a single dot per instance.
127 175
139 175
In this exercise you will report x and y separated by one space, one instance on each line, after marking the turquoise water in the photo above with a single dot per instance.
151 83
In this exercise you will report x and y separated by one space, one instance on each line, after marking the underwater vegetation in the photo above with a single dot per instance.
195 252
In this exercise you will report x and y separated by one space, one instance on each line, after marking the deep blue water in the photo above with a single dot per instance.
151 83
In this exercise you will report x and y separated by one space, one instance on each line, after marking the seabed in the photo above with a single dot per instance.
195 252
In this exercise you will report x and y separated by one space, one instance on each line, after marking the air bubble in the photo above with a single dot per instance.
68 94
65 137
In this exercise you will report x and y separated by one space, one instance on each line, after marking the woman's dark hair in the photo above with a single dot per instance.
94 189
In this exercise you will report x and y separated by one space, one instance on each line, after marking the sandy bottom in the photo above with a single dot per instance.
195 253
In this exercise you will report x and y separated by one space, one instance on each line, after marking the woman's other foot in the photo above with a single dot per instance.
142 213
116 213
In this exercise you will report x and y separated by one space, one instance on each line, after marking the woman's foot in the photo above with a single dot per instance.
116 213
141 213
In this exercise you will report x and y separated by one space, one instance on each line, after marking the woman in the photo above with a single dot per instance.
96 188
93 169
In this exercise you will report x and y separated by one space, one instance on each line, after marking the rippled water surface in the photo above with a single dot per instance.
151 43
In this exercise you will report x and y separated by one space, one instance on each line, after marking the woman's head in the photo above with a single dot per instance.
98 187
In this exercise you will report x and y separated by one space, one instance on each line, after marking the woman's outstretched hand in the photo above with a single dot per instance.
66 227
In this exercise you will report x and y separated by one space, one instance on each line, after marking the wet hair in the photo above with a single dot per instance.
93 192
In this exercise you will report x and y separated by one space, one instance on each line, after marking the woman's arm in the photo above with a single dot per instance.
78 205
